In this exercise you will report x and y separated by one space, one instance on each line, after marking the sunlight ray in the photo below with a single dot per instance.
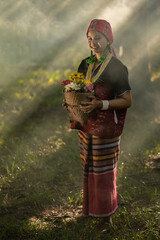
117 13
9 9
37 40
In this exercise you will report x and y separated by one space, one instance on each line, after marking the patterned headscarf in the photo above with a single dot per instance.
104 27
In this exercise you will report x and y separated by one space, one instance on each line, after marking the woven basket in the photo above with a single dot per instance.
73 101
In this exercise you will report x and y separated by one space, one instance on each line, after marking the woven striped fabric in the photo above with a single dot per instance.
99 160
98 155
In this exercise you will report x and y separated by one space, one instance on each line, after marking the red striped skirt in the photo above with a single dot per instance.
99 158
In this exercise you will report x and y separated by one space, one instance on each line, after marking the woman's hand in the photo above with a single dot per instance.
123 101
88 107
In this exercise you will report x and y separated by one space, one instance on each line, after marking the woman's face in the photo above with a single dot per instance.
97 42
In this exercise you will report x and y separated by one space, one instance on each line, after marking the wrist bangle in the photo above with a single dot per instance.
105 105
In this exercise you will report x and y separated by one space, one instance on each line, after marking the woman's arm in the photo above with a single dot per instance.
123 101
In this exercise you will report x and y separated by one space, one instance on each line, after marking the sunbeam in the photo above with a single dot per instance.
119 12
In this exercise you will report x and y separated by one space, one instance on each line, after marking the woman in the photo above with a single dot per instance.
99 139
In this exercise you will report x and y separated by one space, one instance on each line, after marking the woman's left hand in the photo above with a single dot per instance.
88 107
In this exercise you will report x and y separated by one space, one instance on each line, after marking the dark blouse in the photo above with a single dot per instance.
115 75
112 83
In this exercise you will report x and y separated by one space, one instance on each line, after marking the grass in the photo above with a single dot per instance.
41 176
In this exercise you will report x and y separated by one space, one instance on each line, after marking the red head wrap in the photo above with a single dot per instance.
102 26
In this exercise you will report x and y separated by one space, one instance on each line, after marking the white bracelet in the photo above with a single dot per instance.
105 104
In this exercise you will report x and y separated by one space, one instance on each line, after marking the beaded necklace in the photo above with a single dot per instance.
89 74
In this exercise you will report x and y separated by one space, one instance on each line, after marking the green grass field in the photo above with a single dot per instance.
41 176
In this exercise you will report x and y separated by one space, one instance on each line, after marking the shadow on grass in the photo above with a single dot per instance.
58 229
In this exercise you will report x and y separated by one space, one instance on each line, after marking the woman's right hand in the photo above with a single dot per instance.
88 107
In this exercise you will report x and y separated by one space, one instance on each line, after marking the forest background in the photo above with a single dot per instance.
41 43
